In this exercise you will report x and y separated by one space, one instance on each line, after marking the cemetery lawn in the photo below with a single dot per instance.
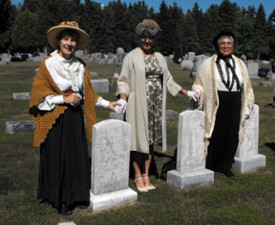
249 199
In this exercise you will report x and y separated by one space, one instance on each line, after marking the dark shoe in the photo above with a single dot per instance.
229 174
65 210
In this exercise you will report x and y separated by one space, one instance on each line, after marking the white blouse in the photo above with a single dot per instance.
220 85
67 74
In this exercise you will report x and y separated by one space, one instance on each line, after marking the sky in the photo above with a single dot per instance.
188 4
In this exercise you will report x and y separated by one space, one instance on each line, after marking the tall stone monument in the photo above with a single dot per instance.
247 158
190 170
110 165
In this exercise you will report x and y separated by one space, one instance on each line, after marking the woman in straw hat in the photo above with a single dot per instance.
60 88
142 88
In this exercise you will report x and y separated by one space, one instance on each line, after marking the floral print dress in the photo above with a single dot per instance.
153 72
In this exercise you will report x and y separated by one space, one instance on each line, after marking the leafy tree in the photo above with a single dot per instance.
244 32
24 34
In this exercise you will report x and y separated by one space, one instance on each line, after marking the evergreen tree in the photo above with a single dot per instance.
191 40
121 25
7 16
30 5
137 12
164 41
52 12
271 22
177 23
261 38
212 19
91 21
201 25
227 13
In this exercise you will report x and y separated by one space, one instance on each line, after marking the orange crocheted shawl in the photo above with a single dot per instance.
44 85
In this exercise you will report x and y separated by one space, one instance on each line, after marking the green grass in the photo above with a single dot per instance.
247 200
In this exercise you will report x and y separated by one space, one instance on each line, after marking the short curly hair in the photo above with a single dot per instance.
147 28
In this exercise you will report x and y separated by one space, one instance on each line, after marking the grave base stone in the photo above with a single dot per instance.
190 179
112 199
250 163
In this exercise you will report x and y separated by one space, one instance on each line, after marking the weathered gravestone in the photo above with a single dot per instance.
5 58
100 85
21 96
186 64
93 74
110 165
191 55
15 127
190 171
253 68
247 158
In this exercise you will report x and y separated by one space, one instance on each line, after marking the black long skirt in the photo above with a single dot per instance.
64 172
225 137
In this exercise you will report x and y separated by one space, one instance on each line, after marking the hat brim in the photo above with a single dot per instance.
52 33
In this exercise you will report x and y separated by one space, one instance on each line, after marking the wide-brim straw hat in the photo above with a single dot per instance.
52 33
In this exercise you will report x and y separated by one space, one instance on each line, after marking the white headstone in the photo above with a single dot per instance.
190 170
191 55
247 158
110 165
253 68
100 85
186 64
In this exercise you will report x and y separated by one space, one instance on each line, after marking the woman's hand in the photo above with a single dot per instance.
121 107
73 99
194 95
113 105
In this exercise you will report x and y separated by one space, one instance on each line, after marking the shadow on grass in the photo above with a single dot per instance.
271 145
170 165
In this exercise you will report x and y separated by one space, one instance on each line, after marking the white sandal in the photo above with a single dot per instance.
141 189
150 187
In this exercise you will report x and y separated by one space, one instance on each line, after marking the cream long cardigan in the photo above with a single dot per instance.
132 82
206 85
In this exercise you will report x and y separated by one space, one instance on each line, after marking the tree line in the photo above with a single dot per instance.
23 27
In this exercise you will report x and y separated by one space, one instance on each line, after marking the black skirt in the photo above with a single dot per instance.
64 172
225 137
